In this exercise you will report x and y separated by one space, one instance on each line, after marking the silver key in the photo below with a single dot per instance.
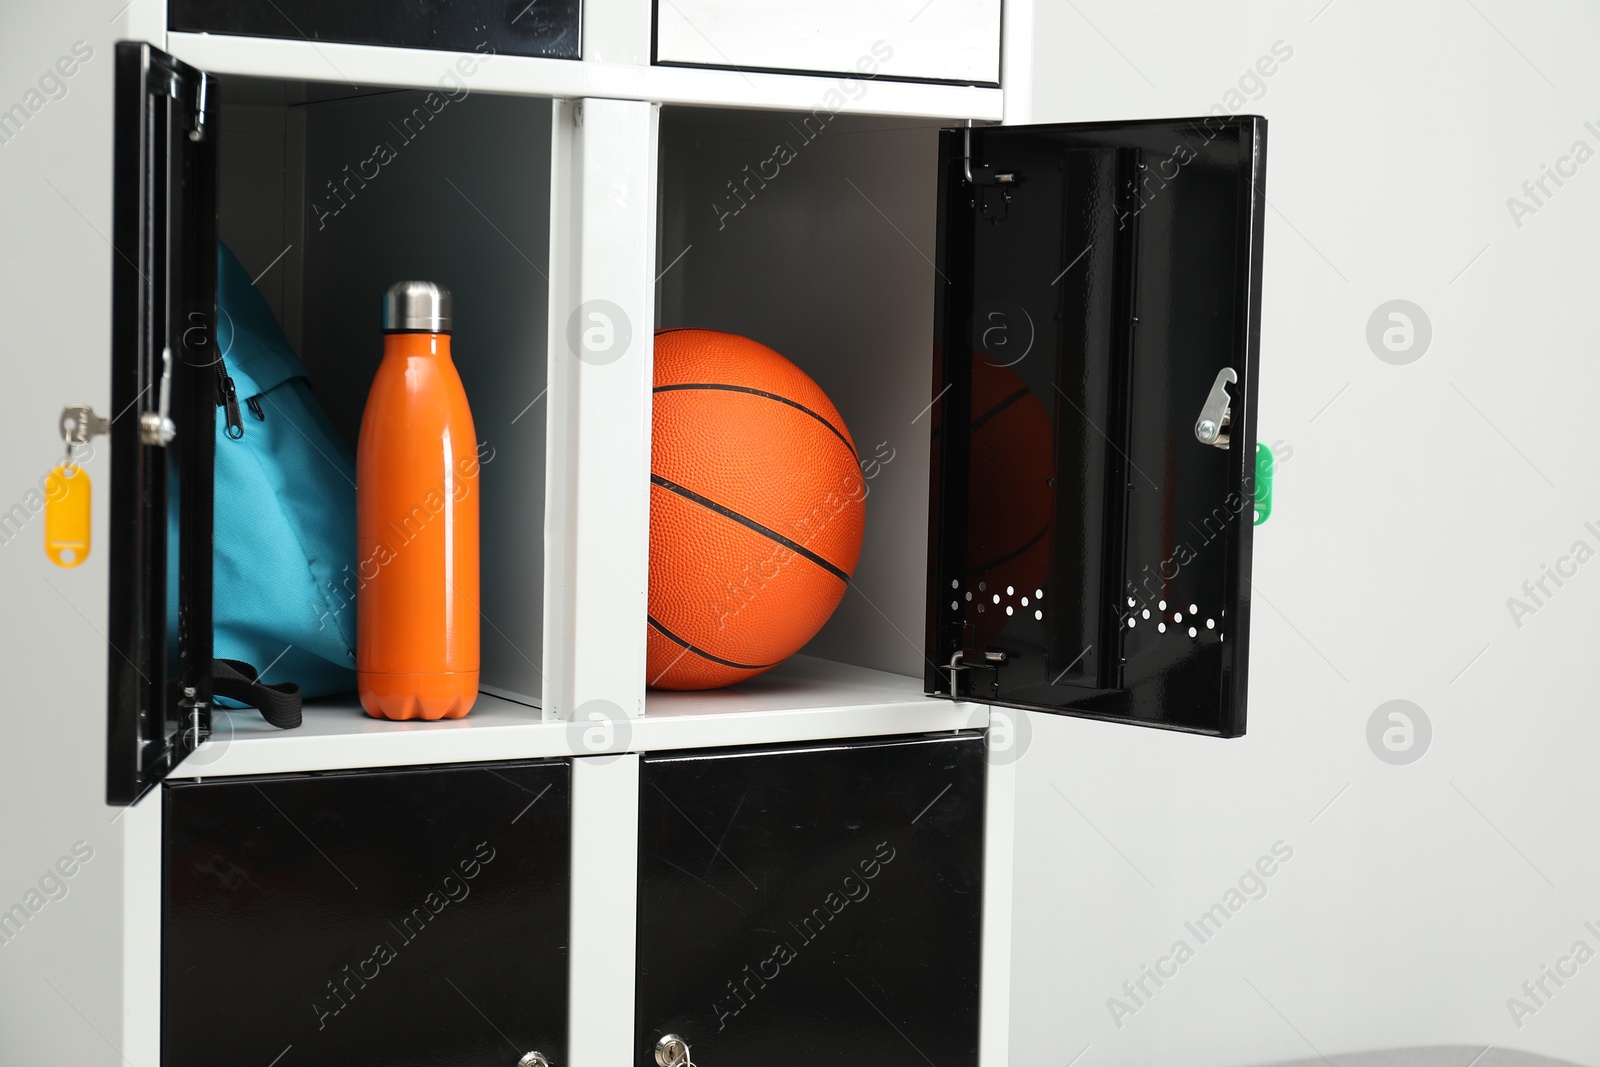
79 424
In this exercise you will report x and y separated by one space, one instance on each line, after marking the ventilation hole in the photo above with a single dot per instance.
1010 591
980 609
1008 609
1024 601
1039 615
969 594
955 605
1146 613
1193 632
1131 623
1162 605
1038 594
1130 602
955 583
1211 624
1177 616
68 555
1193 610
1161 627
997 598
983 587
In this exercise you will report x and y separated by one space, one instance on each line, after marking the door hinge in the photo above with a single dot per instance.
992 186
196 718
197 132
959 668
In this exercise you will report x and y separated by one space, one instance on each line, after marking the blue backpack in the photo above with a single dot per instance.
284 526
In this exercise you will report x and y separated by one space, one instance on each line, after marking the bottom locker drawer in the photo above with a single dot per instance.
813 904
387 918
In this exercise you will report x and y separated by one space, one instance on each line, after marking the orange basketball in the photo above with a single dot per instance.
757 507
1010 497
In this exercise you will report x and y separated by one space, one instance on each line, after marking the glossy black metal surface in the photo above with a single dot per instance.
401 918
1094 279
811 905
548 28
163 300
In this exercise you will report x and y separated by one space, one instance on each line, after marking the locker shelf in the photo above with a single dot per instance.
803 699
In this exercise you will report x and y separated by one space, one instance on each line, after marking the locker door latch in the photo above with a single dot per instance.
156 427
1211 428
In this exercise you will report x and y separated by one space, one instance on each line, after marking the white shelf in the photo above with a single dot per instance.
803 699
419 68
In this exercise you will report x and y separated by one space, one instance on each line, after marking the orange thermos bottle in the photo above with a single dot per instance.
417 520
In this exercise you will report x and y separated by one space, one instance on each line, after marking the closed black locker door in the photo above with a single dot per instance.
397 918
1097 347
813 904
549 28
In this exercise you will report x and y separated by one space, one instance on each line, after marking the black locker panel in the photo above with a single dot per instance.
816 904
548 28
163 389
1098 314
400 918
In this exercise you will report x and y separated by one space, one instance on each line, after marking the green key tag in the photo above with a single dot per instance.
1264 469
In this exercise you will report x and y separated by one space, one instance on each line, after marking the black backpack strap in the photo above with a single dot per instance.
279 704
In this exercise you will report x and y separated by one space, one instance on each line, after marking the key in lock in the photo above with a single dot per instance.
672 1051
68 495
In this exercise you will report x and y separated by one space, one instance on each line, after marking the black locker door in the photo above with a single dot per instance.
163 397
813 904
548 28
1096 351
401 918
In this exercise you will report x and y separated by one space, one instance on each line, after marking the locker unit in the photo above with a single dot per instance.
1052 330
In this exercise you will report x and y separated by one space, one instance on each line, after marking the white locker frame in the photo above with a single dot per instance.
603 205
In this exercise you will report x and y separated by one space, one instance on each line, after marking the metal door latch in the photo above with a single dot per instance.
1211 428
155 427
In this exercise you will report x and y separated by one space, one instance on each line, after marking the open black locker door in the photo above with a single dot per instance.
1096 348
163 397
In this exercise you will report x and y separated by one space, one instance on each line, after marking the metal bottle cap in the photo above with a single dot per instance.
418 306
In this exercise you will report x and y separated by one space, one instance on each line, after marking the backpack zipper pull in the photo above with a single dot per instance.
228 398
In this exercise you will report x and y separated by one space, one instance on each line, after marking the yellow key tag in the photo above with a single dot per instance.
66 515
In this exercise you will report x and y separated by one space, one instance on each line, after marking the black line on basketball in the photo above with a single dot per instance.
670 636
997 409
761 392
1009 556
707 502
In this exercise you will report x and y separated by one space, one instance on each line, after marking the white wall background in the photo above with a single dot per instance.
1411 502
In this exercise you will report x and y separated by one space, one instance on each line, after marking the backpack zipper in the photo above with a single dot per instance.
228 398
